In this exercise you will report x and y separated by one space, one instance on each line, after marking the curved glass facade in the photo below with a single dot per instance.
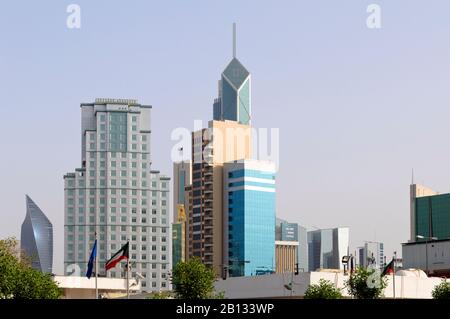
37 238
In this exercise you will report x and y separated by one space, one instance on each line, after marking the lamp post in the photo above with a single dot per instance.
427 238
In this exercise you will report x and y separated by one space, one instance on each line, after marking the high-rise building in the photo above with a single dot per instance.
429 232
326 247
249 217
234 100
37 238
179 236
430 214
116 196
221 142
182 178
291 236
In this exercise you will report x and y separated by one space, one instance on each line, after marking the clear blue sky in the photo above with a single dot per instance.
356 108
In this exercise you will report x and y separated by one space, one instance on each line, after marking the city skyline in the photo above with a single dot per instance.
358 158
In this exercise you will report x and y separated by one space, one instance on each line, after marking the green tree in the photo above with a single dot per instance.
325 289
193 280
18 280
441 291
366 283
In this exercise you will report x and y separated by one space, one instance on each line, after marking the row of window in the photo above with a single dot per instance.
102 256
115 146
114 201
81 183
113 210
123 237
115 191
113 219
114 155
102 137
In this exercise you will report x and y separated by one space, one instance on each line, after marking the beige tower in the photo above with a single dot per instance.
221 142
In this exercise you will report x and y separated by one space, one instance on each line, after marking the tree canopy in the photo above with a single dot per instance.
18 280
193 280
366 283
325 289
441 291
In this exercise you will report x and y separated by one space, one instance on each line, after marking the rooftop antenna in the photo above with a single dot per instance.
412 176
234 39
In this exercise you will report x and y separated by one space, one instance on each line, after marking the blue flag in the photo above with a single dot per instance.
92 260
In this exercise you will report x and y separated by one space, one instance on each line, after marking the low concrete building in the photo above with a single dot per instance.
432 257
408 284
75 287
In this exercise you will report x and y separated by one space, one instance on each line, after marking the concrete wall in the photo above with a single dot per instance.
274 286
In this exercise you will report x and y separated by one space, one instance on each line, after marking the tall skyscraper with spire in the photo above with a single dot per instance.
217 206
234 100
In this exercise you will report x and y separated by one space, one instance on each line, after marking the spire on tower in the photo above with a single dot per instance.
234 39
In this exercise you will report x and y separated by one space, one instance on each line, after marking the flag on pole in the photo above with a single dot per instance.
389 269
122 254
92 260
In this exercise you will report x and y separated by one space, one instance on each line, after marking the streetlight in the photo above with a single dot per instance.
427 238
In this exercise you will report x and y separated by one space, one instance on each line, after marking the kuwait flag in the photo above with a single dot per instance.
389 269
123 253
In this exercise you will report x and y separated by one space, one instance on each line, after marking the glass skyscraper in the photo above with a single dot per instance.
326 247
234 101
37 237
249 217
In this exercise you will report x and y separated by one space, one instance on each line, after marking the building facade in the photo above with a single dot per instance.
326 247
286 256
116 197
221 142
182 178
249 217
430 214
287 233
179 236
36 239
371 255
234 100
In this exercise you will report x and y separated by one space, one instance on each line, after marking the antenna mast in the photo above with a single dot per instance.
234 39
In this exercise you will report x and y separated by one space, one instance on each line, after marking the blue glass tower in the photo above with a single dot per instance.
249 217
37 237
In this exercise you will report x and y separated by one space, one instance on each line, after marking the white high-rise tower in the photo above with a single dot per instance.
116 195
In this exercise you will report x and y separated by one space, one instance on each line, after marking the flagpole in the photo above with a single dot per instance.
128 275
393 273
96 270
